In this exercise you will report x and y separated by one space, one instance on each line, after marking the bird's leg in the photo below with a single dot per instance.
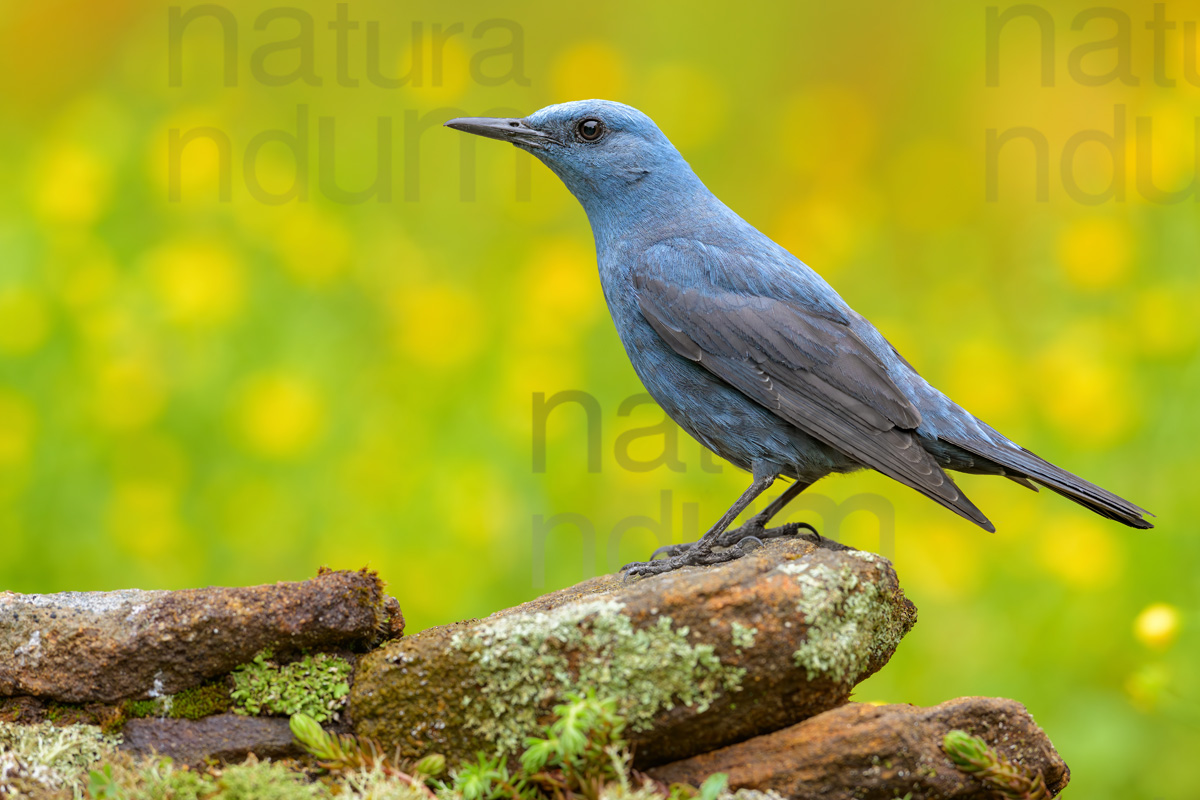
702 553
754 528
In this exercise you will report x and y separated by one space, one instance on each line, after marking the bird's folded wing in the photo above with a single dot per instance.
809 369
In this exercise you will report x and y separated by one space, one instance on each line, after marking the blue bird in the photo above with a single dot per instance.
748 349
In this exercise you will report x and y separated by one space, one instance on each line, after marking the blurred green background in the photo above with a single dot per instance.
205 391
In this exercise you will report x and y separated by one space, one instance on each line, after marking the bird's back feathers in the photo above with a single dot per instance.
806 363
810 371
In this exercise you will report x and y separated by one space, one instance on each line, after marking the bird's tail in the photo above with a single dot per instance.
1018 463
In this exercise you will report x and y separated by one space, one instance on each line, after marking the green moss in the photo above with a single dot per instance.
526 662
743 636
65 712
43 758
137 709
849 621
201 701
315 685
194 703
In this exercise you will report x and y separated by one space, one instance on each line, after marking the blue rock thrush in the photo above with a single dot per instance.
747 348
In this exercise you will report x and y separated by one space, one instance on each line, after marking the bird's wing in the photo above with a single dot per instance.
808 368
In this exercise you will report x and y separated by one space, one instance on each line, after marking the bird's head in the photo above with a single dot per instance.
602 151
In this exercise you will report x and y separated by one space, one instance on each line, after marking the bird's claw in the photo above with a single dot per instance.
669 550
746 541
734 537
691 557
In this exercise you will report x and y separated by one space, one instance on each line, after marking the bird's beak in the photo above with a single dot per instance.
516 131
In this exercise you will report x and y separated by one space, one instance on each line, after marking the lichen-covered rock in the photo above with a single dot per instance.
108 646
699 658
865 752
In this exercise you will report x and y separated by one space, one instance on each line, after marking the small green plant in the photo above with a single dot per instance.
315 686
714 786
102 785
583 750
346 754
1006 779
582 755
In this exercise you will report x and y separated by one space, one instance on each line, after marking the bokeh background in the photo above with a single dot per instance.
205 391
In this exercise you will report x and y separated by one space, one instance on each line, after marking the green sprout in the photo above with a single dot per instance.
1004 778
352 754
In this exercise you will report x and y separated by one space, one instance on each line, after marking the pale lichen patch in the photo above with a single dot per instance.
525 662
849 621
30 652
44 758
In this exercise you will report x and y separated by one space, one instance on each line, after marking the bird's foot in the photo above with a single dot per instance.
693 556
735 536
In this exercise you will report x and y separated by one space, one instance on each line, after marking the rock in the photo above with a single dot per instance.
224 737
865 752
107 646
700 658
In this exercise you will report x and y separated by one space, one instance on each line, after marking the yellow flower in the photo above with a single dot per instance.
1081 551
1095 252
197 283
589 70
1084 392
561 296
819 232
199 165
438 325
71 185
280 415
1157 625
944 558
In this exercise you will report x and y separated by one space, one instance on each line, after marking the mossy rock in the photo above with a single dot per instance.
700 657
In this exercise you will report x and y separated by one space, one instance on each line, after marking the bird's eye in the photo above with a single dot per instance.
590 129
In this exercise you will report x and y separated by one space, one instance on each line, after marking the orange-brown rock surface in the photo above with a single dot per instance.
105 646
865 752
